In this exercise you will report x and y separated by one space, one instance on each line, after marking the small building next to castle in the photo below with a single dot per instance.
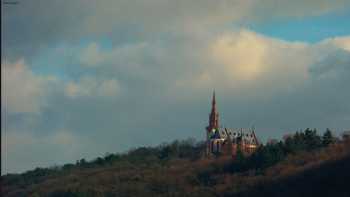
228 141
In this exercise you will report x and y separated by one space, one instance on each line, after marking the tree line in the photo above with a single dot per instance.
158 158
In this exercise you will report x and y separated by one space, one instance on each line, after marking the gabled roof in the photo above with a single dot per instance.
247 135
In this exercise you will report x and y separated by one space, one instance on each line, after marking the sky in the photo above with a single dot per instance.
81 78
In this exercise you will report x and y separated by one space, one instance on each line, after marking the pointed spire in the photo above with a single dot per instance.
214 100
214 115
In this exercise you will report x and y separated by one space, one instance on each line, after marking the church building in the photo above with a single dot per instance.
228 141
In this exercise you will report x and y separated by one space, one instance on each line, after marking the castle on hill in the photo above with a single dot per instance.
228 141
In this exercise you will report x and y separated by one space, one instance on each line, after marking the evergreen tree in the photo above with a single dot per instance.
312 140
328 138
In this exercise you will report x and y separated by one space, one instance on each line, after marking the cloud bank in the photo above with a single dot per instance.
111 75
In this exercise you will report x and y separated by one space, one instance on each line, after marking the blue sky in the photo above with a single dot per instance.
80 81
309 29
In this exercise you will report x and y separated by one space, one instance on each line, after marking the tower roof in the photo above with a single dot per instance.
213 103
214 115
213 99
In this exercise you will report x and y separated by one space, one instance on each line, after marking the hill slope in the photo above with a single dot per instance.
329 179
323 171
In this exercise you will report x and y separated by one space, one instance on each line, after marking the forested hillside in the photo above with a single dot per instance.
302 164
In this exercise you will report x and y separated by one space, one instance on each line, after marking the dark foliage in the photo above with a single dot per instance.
179 169
330 179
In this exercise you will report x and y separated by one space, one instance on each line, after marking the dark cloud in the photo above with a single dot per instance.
32 26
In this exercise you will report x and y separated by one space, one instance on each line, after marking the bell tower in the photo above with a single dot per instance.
213 124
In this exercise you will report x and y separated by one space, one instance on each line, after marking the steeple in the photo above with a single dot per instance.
213 103
214 115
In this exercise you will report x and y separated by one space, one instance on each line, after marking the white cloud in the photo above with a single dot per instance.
243 60
91 55
336 42
26 92
248 56
89 86
22 90
242 54
240 60
250 64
